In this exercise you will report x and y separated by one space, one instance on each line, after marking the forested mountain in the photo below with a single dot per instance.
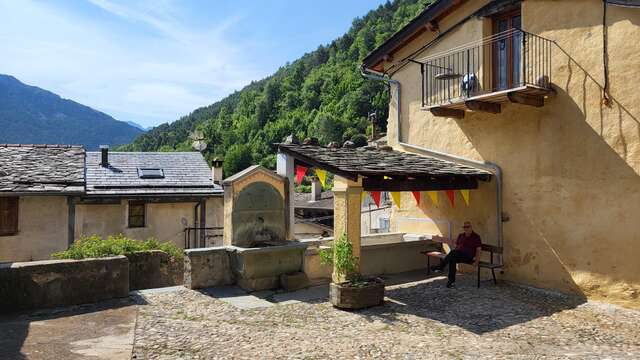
31 115
321 94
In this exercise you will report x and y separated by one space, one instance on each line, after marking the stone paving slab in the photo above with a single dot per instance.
98 331
421 319
237 297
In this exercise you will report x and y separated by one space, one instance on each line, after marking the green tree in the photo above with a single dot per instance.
238 158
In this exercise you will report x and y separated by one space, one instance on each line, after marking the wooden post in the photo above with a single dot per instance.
71 221
347 215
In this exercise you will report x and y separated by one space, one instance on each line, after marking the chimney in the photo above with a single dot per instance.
216 170
104 149
316 189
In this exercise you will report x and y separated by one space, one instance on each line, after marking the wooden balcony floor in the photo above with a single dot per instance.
491 102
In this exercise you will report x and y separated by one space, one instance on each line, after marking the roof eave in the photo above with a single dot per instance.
412 29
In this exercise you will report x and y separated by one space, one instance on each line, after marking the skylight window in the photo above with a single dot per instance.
150 173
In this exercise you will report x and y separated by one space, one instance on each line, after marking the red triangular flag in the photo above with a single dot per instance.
300 171
416 195
375 195
451 195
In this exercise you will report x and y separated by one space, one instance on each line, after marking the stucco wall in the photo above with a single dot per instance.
42 229
164 221
570 169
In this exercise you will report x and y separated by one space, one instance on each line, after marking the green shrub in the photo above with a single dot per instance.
96 247
340 255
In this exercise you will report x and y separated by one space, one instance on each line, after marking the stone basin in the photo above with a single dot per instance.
260 268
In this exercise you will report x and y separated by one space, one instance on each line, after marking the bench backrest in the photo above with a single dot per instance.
491 248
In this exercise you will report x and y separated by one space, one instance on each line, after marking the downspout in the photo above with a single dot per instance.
487 166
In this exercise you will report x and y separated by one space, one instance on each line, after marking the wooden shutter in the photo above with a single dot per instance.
8 216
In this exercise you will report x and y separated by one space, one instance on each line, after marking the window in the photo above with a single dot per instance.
507 52
8 216
136 214
150 173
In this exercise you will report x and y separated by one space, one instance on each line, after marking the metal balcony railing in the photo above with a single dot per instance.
514 59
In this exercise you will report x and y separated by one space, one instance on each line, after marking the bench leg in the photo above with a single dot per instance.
493 272
478 277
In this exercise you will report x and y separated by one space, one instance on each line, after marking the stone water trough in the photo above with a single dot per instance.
256 231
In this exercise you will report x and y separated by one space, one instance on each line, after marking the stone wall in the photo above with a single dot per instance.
51 283
389 253
207 267
154 269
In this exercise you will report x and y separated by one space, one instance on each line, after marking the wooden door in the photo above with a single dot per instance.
507 53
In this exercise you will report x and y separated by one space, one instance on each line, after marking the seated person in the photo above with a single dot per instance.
467 251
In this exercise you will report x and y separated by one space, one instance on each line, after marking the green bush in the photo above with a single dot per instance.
340 255
96 247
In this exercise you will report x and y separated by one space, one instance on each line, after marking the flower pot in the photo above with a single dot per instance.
357 295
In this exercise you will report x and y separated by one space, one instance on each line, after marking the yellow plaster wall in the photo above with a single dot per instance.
571 168
42 229
164 221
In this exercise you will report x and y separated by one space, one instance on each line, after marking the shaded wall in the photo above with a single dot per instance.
42 229
42 284
571 168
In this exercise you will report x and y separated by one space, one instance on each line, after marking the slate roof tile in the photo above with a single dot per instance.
41 168
184 173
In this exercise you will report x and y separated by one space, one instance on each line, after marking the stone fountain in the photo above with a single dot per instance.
256 228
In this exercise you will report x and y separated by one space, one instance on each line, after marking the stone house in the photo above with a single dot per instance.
542 95
51 195
37 186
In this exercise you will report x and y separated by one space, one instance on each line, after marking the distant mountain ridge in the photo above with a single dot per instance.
31 115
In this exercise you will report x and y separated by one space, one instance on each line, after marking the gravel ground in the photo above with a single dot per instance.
419 320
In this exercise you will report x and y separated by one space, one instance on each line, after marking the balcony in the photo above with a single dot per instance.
513 66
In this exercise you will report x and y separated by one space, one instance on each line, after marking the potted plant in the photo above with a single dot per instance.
349 290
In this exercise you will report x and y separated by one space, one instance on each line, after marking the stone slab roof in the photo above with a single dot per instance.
373 162
185 173
46 169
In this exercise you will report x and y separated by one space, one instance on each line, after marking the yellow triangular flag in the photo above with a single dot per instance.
386 177
322 176
395 195
433 195
362 195
465 196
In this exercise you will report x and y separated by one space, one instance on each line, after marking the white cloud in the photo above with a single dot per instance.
160 70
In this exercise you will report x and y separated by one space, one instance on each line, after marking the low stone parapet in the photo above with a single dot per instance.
154 269
52 283
207 267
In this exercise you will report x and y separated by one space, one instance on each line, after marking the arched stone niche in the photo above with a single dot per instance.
254 209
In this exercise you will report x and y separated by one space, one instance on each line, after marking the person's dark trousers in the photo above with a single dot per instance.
452 259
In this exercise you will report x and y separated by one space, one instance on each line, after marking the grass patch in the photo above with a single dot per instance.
97 247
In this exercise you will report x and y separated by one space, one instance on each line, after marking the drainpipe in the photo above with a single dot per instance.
487 166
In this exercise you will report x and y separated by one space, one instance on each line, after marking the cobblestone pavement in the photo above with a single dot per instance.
419 320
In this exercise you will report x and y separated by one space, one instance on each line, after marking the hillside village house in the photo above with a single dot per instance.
51 195
542 94
532 106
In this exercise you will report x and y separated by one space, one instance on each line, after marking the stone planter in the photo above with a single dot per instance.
347 296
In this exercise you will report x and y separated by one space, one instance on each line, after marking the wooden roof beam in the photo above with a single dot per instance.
483 106
526 99
449 183
446 112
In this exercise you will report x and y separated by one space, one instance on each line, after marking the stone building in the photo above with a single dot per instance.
51 195
543 95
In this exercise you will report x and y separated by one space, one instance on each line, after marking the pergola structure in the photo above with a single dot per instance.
373 169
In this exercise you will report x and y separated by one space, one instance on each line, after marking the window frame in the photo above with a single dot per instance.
12 229
135 203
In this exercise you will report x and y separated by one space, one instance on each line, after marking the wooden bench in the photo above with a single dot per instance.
489 265
482 264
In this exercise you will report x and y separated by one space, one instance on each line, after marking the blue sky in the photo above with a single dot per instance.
151 61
